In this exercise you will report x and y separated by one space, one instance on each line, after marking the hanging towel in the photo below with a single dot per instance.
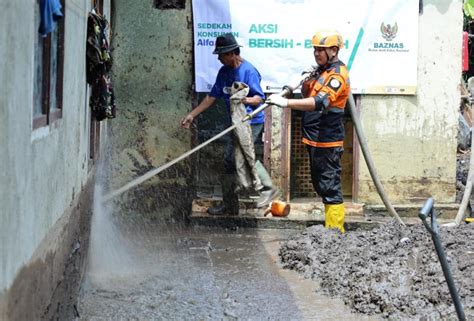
243 145
50 13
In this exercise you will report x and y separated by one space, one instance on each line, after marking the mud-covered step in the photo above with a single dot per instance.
303 213
300 208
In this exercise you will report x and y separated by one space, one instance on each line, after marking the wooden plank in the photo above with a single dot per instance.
267 139
286 153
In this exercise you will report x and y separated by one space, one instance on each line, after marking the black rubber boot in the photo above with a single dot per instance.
217 210
230 199
222 209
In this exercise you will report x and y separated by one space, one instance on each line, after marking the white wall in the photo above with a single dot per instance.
42 171
413 138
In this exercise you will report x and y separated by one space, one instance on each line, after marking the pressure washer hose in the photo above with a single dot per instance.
369 161
467 194
155 171
284 92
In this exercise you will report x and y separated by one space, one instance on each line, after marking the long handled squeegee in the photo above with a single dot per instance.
155 171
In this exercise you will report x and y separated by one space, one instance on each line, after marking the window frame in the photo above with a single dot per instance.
49 115
167 4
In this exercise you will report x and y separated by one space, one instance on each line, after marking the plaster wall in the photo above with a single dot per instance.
413 139
42 171
152 76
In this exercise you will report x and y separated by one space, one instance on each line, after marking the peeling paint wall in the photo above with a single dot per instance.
413 139
42 171
152 75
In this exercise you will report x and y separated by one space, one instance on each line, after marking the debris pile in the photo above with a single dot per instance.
391 270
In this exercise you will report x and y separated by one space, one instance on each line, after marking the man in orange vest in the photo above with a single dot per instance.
325 93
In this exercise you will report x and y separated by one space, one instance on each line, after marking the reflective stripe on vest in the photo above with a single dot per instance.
331 90
339 143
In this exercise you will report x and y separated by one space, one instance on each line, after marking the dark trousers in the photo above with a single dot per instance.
326 173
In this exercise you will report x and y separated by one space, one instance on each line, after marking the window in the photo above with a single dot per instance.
169 4
48 77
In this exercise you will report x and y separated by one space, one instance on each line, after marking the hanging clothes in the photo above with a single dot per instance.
50 13
99 64
244 152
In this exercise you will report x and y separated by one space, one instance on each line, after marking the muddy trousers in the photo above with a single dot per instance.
228 180
326 178
257 131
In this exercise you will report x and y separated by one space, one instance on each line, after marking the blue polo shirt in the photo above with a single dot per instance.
245 73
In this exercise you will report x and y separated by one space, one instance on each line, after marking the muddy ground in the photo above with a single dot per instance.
146 271
392 270
140 271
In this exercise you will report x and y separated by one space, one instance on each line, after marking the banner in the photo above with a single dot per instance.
381 40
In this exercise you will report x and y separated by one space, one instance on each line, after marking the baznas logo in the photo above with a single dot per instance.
389 32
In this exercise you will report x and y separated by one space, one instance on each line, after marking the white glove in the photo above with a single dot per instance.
277 100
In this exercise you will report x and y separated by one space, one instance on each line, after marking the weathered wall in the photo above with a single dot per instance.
152 51
413 138
42 172
46 288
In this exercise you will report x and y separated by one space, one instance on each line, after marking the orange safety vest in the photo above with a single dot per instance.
324 126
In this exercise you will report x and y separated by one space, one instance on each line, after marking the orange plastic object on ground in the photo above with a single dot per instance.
278 208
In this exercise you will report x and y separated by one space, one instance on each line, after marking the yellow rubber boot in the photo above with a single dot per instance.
334 216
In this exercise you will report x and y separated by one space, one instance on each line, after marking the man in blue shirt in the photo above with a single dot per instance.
235 68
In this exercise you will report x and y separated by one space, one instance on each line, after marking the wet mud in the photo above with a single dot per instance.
142 270
391 270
